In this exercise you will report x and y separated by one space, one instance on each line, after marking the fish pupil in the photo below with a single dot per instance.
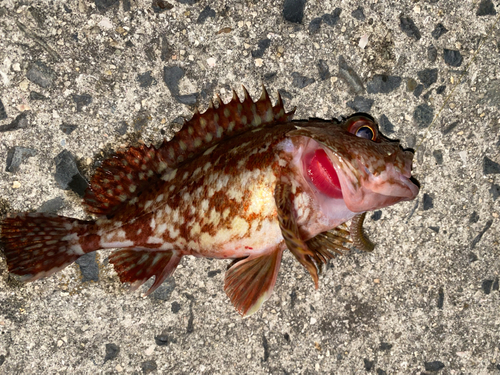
365 132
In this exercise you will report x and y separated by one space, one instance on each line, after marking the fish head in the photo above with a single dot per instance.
352 161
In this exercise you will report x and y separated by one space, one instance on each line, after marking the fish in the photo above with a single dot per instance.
241 181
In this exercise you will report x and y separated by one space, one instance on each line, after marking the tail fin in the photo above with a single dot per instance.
38 245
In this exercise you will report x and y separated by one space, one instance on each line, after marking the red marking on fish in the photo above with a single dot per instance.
240 181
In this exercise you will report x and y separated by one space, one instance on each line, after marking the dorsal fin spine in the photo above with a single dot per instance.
128 172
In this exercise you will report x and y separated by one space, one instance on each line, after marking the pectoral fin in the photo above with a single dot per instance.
324 243
288 224
249 282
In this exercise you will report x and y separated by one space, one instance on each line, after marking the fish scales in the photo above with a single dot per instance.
240 181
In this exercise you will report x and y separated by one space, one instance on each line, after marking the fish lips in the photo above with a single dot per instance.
367 192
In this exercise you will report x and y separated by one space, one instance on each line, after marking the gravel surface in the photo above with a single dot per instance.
80 79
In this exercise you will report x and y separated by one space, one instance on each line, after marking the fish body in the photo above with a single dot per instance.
241 181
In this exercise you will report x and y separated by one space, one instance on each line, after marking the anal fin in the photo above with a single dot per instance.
138 266
250 282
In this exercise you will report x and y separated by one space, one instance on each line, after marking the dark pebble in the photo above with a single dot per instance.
187 2
88 267
3 113
40 74
435 229
205 14
20 122
314 26
145 79
409 27
301 81
293 298
358 14
103 5
480 235
438 31
16 156
265 345
82 101
385 125
418 90
261 48
112 351
67 174
381 372
293 10
126 5
270 76
450 127
495 191
368 364
350 77
171 76
51 206
438 155
377 215
486 8
361 104
323 70
474 218
440 298
141 120
122 129
189 99
440 89
286 336
472 257
452 57
175 307
213 273
285 94
149 366
428 77
423 115
162 340
428 202
2 359
486 286
411 85
160 6
432 53
383 84
385 346
67 128
331 19
164 290
37 96
490 167
433 366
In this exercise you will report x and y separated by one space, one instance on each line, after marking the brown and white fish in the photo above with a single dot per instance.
240 181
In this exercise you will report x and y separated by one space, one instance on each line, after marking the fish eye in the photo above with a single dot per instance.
365 132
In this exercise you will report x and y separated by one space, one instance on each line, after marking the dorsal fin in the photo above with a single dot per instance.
126 174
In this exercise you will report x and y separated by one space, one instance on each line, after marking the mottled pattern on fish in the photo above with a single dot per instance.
240 181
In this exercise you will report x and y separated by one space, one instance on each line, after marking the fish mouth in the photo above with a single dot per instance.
367 191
